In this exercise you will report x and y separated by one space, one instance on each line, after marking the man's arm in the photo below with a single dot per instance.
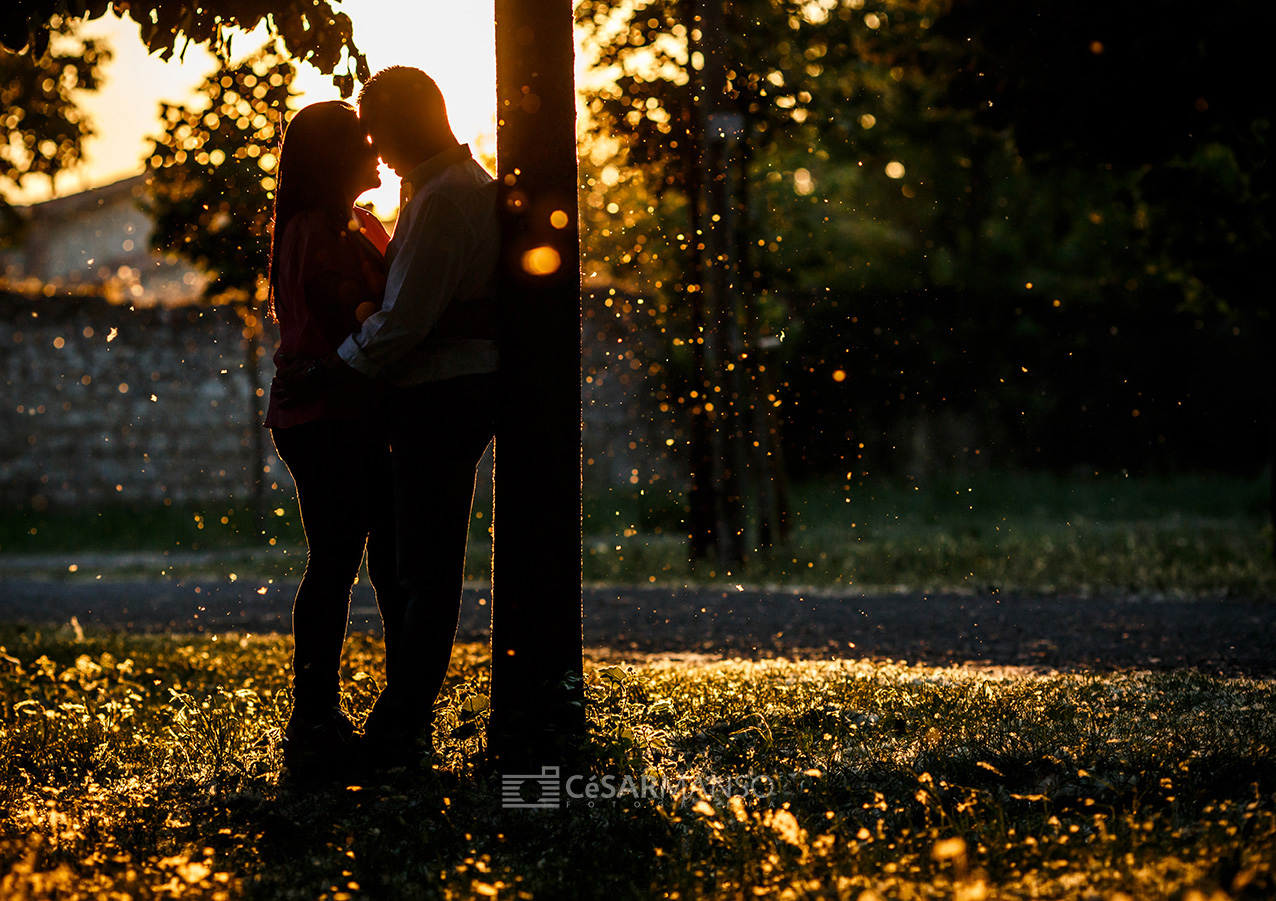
423 278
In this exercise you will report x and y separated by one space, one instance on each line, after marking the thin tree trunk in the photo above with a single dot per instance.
1271 430
700 497
720 128
252 352
763 452
771 439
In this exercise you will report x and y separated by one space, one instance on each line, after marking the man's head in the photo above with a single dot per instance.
404 114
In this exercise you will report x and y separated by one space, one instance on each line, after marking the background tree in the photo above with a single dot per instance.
1167 100
211 192
43 130
675 76
1035 234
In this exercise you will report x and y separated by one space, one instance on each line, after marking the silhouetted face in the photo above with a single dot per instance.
363 166
393 140
357 168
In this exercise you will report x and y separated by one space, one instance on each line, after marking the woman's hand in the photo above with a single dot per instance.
297 380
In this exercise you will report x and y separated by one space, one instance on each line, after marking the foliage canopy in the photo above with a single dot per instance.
310 31
43 130
212 172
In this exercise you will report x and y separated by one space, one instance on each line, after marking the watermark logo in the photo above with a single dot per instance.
543 792
549 789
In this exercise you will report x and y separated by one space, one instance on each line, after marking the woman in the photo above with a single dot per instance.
327 275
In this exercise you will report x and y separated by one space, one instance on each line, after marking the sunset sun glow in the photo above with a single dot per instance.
454 42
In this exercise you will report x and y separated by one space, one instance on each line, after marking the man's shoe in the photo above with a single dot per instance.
388 749
318 747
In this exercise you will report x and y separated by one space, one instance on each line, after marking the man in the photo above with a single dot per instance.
434 342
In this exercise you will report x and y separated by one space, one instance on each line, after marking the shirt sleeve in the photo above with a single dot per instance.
423 277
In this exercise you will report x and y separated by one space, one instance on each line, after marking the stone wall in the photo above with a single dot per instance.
130 392
103 403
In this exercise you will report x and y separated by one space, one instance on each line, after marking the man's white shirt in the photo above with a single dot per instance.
443 256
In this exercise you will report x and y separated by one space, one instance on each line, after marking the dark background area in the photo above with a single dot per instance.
1035 233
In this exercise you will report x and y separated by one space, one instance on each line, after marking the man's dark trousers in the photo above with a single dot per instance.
438 433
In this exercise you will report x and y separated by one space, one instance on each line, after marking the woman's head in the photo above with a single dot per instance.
325 162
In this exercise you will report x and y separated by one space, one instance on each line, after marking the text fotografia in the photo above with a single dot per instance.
549 789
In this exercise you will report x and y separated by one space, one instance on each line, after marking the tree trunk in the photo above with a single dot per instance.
768 480
720 133
1271 429
251 322
700 497
536 718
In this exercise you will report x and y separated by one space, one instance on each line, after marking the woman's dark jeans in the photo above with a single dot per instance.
343 473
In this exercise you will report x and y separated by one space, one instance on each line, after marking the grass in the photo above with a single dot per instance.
1186 535
135 766
155 528
1082 534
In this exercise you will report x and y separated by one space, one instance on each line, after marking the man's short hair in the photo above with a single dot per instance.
403 89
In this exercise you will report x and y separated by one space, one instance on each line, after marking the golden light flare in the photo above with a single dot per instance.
541 260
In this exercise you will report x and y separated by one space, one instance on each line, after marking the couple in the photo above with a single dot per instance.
382 404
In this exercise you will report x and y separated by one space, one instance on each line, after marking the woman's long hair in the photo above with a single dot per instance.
312 157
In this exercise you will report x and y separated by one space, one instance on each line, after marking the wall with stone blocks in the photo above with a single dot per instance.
103 403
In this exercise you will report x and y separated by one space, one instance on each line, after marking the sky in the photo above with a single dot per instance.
454 42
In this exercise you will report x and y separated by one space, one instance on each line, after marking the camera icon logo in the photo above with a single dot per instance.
532 792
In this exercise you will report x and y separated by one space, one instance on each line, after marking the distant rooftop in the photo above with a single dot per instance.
97 241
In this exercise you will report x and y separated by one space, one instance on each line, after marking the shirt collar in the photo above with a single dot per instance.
414 180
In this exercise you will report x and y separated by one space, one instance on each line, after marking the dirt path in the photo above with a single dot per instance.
1227 635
